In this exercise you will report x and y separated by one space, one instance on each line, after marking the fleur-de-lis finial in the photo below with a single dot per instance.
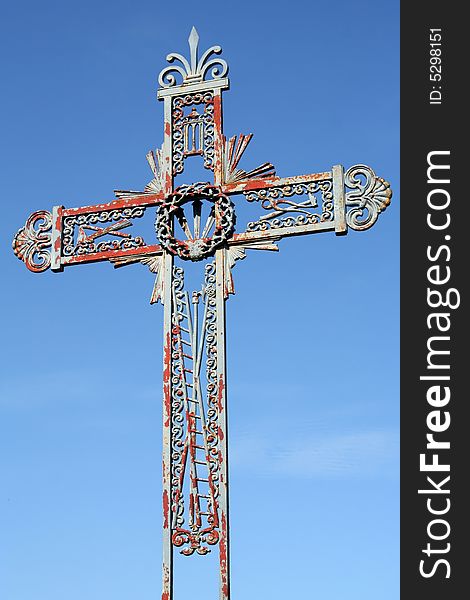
193 45
195 70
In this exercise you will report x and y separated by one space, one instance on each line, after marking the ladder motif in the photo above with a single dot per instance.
194 430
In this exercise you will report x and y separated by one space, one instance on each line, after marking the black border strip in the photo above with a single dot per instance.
427 128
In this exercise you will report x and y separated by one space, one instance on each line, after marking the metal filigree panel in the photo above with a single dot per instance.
193 130
195 414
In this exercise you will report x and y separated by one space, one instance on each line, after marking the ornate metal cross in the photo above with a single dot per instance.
197 223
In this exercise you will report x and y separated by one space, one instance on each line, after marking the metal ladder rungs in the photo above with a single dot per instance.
194 416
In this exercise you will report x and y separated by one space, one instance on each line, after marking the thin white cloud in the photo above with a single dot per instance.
364 453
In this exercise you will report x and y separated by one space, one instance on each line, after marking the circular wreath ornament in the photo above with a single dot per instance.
200 242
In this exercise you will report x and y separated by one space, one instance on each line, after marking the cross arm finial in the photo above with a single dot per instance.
196 69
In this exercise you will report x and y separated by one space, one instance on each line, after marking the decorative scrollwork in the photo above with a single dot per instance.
197 246
194 429
194 133
300 221
370 197
87 245
276 198
211 373
194 70
32 241
178 453
195 541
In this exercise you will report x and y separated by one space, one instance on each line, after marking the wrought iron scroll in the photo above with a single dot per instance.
194 70
194 422
297 214
370 196
86 244
193 133
32 243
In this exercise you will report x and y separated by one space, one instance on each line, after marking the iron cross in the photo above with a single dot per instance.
196 223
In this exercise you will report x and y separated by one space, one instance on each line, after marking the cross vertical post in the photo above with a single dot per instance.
223 429
195 224
167 551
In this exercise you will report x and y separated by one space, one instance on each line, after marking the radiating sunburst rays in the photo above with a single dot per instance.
234 149
155 186
195 224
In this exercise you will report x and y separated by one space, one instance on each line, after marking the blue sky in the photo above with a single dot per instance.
312 330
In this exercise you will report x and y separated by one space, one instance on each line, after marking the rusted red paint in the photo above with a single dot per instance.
143 200
218 138
256 184
56 238
191 500
108 254
58 224
218 111
220 393
224 557
165 479
166 509
167 359
169 184
166 379
276 234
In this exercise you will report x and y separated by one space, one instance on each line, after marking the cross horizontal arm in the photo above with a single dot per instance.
49 240
243 187
330 201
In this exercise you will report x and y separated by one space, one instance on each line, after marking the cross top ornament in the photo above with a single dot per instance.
196 224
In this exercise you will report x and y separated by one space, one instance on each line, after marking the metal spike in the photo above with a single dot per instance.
193 45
